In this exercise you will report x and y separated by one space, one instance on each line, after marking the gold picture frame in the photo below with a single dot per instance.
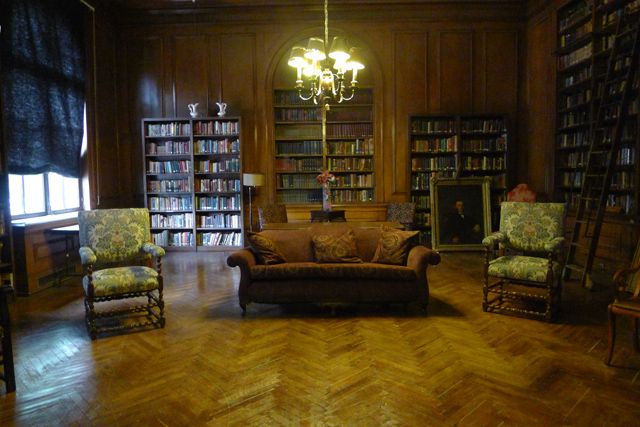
460 212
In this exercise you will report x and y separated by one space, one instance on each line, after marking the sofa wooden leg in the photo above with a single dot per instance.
244 308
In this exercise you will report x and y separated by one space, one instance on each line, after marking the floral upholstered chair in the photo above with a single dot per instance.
525 280
115 250
271 213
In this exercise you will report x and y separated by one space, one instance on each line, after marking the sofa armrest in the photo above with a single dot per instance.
245 259
420 256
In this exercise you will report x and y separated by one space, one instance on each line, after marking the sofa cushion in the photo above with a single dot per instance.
265 249
293 245
307 270
330 248
393 246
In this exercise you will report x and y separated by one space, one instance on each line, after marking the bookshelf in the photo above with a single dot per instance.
193 187
300 154
455 147
584 39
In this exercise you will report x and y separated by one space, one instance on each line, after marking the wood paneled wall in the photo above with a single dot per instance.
422 58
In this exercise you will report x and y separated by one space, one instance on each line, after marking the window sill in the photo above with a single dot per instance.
47 222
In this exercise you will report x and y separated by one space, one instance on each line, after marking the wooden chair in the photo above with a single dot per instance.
627 301
117 243
404 213
527 277
271 213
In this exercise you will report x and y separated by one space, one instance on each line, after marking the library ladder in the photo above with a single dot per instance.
613 99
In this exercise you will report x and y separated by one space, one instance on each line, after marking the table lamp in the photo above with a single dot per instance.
252 180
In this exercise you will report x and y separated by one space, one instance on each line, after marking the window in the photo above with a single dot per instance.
42 194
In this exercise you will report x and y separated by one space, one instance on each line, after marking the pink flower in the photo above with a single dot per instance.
325 177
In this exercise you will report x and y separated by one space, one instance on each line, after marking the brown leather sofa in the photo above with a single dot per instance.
301 279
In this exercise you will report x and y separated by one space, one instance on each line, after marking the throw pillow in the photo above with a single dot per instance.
265 249
393 246
336 248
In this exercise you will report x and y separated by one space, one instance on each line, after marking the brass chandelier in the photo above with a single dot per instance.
315 78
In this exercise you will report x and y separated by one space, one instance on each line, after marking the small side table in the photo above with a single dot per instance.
328 216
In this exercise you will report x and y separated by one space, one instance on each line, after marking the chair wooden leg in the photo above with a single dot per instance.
90 315
612 334
636 344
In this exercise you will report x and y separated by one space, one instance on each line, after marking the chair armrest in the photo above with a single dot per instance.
620 278
87 256
554 244
153 249
245 259
491 240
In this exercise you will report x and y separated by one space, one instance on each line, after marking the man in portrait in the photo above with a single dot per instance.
460 227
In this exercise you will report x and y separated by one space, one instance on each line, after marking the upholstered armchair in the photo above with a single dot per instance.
627 301
115 251
271 213
404 213
522 270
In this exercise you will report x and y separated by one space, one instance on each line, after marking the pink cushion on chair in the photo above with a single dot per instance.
521 193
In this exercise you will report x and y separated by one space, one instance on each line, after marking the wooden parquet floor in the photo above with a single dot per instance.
312 365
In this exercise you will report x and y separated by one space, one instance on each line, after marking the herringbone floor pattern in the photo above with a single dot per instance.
320 366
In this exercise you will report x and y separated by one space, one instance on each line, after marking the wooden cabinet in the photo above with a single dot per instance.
585 36
193 182
300 155
456 147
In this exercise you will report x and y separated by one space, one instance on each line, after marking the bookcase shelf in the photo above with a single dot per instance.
453 147
584 39
300 155
193 182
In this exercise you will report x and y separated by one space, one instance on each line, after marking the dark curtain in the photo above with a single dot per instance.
43 82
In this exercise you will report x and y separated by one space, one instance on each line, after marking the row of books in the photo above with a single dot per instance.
169 186
354 180
433 163
169 129
169 166
359 146
573 14
352 196
482 125
217 166
623 180
582 75
219 239
355 130
435 145
169 203
571 179
184 220
167 147
573 118
216 146
483 163
626 156
423 218
219 220
420 180
480 145
574 139
574 99
351 115
576 56
299 147
422 201
220 185
297 114
575 159
218 203
567 38
178 239
626 202
300 196
341 164
215 127
298 165
297 181
433 126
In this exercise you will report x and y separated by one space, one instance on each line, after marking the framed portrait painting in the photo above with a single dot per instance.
460 212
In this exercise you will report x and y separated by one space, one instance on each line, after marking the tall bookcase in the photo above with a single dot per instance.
585 36
193 182
456 147
300 155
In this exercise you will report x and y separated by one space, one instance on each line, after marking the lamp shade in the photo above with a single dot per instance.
315 49
339 50
355 62
253 179
297 59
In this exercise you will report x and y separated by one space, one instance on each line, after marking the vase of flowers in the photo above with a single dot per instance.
324 179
